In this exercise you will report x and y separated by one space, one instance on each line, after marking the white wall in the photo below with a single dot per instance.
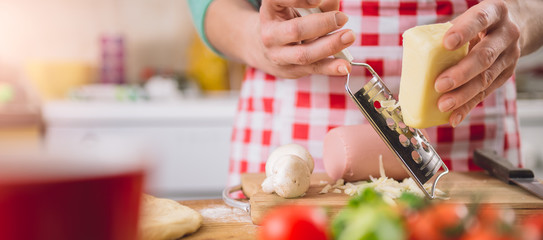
157 32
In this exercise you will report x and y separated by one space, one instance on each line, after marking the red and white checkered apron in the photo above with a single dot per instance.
274 111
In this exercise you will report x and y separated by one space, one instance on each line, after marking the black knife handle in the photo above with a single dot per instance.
498 166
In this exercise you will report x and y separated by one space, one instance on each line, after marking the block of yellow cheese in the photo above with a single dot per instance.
424 58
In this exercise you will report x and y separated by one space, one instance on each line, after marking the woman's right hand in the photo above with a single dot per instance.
289 46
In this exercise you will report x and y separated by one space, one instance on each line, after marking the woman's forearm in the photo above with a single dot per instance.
529 16
228 27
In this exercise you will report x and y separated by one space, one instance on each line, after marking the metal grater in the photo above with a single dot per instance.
409 144
419 158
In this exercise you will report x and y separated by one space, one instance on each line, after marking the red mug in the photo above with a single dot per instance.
70 196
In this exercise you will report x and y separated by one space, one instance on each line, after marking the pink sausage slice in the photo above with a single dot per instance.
352 153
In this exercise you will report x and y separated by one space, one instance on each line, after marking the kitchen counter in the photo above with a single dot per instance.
177 134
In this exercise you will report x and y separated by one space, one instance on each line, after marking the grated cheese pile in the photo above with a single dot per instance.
339 183
390 188
390 104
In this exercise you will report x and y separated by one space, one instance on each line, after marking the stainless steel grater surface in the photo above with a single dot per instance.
411 147
415 152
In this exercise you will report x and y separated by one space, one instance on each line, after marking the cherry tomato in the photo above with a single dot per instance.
448 215
421 226
487 214
434 221
480 232
294 222
532 227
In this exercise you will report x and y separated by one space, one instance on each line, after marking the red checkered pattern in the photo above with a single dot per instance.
274 111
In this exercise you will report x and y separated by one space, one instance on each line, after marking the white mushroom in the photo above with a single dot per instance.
268 185
292 149
288 171
292 178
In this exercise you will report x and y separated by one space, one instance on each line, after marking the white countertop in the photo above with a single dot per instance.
530 111
134 113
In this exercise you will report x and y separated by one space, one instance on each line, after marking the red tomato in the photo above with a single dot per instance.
480 232
488 214
532 227
431 223
421 226
448 214
294 222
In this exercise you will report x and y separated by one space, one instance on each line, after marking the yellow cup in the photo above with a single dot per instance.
53 80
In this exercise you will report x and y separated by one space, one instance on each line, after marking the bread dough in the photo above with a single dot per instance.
166 219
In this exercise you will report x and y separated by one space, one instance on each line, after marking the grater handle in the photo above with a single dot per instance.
233 202
343 54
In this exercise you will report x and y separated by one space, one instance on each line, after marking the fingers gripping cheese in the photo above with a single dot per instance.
424 58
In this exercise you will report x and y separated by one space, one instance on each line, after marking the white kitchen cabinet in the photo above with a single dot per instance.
189 140
530 114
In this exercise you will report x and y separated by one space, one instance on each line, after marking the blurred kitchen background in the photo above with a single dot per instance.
88 69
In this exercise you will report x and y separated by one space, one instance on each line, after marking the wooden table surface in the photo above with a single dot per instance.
224 222
221 221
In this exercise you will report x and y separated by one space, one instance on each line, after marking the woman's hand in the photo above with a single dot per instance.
278 41
495 48
292 46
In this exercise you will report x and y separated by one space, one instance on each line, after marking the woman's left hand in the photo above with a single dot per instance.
494 51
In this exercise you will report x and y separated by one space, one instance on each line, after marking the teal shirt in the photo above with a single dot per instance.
198 8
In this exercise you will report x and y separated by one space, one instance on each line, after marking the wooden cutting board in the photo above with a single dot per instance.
463 187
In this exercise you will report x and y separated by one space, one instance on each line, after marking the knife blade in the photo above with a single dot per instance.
504 170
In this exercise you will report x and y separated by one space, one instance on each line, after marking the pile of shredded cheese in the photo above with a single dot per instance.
390 104
390 188
336 188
